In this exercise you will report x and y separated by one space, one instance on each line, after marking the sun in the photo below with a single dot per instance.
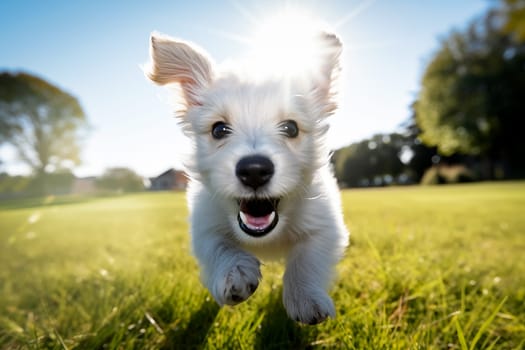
287 42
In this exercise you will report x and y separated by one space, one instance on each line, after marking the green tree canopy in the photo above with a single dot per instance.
370 161
514 18
471 99
41 121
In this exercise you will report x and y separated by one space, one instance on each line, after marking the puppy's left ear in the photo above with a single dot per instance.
324 89
175 61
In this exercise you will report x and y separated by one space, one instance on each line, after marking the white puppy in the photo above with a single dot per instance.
261 184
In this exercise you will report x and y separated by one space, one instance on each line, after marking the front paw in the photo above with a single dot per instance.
308 306
236 281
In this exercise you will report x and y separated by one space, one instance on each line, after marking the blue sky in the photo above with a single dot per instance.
93 49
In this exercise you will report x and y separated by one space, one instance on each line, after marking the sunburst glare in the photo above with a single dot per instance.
287 43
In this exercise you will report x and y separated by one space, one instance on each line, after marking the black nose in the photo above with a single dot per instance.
254 171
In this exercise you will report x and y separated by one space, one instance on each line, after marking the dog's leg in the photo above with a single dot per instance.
308 272
230 274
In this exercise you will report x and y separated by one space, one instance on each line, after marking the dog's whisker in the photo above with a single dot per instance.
314 197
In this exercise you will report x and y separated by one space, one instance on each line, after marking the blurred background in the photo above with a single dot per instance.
431 92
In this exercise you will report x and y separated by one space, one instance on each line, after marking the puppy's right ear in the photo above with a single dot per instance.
174 61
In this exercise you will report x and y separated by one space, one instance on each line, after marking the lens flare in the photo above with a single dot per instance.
287 43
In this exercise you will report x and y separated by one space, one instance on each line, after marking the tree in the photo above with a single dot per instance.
120 180
422 157
375 161
41 121
471 99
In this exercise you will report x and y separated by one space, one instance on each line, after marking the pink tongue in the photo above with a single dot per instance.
254 221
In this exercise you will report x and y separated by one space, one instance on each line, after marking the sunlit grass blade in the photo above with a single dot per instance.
461 336
493 344
486 324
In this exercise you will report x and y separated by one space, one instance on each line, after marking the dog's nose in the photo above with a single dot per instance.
254 171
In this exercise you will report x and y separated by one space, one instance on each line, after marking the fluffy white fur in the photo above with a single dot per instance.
310 233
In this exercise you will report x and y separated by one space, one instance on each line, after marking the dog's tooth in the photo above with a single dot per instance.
243 218
272 217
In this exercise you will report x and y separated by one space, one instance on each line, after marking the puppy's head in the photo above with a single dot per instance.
257 143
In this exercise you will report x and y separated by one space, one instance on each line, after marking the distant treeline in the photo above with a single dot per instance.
113 180
402 159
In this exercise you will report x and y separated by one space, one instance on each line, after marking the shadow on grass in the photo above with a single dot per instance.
193 336
278 331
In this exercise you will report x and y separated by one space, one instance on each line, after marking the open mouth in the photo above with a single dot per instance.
257 217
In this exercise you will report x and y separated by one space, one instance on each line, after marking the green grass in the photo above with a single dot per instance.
428 268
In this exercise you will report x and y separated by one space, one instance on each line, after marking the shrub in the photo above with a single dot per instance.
447 174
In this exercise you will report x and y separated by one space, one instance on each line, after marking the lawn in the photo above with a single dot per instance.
428 268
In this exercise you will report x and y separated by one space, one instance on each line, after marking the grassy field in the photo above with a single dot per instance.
428 268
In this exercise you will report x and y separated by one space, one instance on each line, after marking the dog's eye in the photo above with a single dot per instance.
220 130
289 128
